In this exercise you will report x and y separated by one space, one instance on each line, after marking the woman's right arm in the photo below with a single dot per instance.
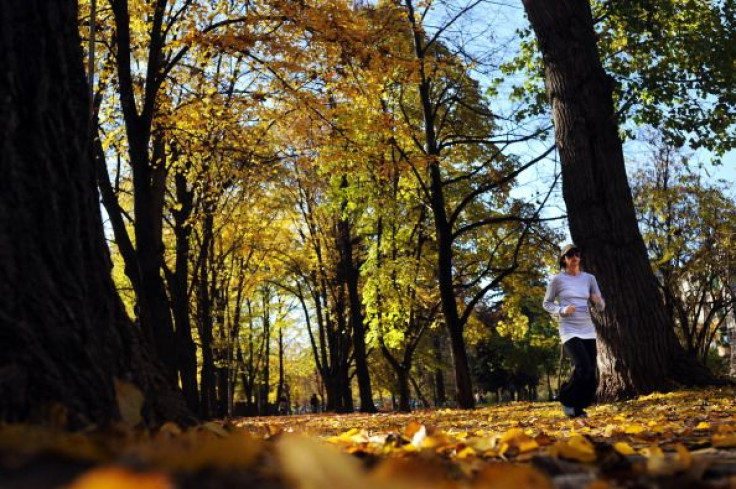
549 299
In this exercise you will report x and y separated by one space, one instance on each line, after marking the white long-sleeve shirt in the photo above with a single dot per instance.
574 290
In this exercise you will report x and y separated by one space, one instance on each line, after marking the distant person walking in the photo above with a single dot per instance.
569 296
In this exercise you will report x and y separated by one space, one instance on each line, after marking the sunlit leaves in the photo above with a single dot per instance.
517 445
672 61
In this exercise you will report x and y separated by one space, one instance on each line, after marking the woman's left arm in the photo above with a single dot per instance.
595 295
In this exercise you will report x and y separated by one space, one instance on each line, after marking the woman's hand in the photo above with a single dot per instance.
568 310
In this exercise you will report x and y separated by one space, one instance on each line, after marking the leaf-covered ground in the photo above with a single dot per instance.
682 439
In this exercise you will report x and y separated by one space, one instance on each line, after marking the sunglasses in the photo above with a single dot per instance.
572 253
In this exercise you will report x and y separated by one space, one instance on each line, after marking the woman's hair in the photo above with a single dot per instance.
562 262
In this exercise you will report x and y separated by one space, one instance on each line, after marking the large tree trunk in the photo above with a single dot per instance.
64 335
638 349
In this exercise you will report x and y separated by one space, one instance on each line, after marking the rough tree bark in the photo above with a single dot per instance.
638 349
64 335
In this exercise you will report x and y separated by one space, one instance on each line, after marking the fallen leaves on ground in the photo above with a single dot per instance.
683 439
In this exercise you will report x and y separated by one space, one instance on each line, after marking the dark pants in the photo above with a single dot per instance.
579 391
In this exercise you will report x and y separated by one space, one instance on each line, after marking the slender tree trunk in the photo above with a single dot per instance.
204 310
110 200
350 274
342 356
149 182
418 390
147 158
234 358
638 349
402 380
732 344
443 229
440 397
265 386
245 380
401 370
220 289
281 390
64 335
178 285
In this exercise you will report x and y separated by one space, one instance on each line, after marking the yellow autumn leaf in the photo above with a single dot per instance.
623 448
170 429
528 445
310 465
653 451
215 428
121 478
483 444
517 438
462 435
465 453
684 456
433 441
633 429
353 435
610 430
512 434
703 426
409 448
576 448
656 460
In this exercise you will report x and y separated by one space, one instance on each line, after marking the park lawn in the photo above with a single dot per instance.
682 439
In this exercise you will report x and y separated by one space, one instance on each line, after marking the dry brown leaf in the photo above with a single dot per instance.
411 429
313 465
29 440
724 440
196 450
411 473
130 402
508 476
